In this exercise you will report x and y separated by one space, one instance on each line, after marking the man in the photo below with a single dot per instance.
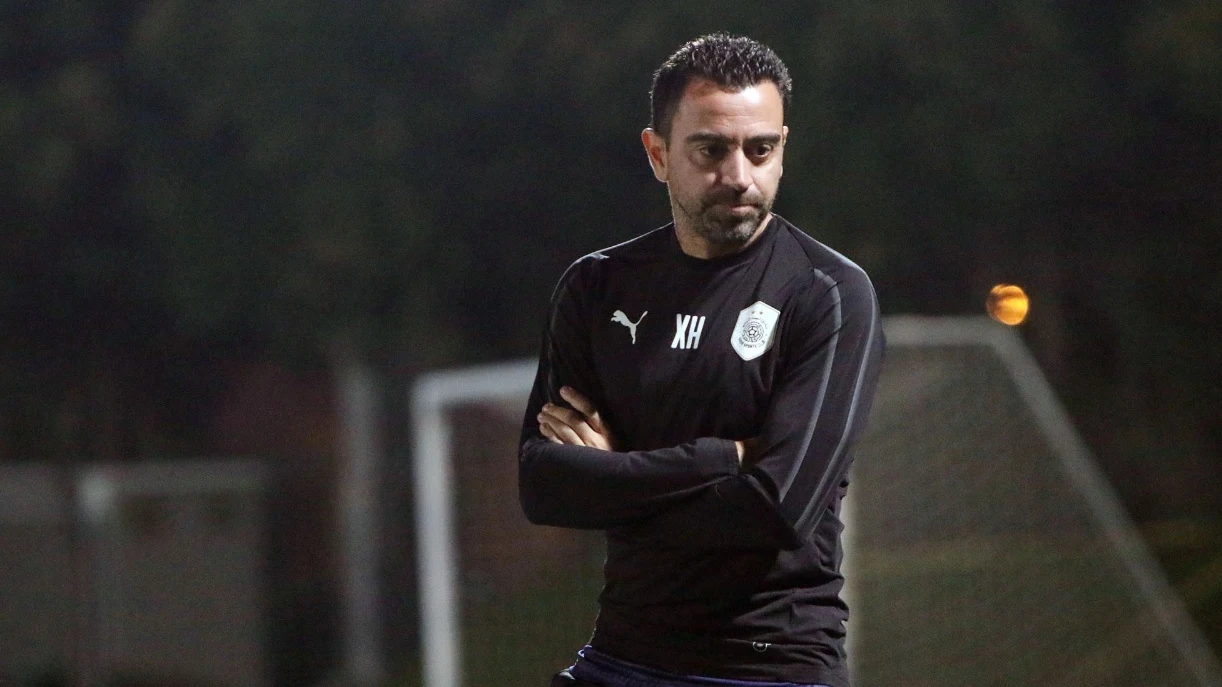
698 393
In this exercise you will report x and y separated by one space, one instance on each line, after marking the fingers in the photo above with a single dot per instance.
580 425
585 407
557 429
568 426
548 432
576 422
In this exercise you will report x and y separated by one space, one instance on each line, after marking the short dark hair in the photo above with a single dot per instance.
734 62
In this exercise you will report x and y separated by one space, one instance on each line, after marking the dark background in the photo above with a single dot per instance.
205 206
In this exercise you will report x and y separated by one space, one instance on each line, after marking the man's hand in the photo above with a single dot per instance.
748 451
581 426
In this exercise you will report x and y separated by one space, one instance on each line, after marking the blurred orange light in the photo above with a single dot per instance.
1008 304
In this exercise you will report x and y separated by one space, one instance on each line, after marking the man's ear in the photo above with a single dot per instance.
784 140
655 148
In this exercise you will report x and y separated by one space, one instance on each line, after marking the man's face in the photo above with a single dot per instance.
722 162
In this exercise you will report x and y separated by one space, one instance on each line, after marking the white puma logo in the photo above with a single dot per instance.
619 316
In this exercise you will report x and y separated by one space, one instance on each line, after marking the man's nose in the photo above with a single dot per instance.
736 171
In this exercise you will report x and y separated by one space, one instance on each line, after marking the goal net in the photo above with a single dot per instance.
982 544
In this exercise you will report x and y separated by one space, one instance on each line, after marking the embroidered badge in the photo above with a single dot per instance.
752 335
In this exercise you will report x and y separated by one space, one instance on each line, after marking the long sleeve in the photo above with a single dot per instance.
576 486
711 566
831 361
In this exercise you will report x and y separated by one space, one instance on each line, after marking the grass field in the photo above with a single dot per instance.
942 619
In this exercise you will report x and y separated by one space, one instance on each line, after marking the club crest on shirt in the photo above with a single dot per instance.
752 335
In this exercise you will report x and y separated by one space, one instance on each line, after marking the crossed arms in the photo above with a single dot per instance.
766 492
582 425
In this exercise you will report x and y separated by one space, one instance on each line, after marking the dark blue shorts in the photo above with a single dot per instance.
599 668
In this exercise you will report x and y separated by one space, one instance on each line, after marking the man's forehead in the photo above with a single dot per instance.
707 104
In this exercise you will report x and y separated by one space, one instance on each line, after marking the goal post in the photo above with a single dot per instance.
1023 500
433 396
983 544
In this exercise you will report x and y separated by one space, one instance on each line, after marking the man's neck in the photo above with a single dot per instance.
697 246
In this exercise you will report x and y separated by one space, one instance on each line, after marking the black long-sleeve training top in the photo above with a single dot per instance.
712 569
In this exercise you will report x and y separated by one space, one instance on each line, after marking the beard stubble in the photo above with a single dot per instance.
713 221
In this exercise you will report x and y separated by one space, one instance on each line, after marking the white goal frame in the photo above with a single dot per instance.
436 551
433 394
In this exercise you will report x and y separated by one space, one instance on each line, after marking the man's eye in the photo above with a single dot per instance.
713 152
762 151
